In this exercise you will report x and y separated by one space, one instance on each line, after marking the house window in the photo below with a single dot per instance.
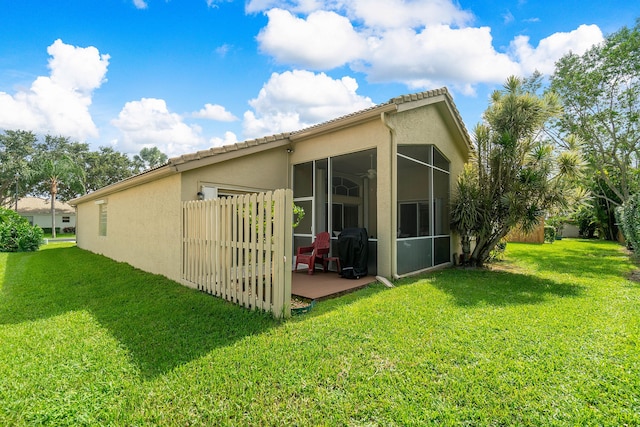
345 187
66 219
102 227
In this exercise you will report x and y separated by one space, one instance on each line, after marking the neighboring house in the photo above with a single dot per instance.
38 212
570 230
390 169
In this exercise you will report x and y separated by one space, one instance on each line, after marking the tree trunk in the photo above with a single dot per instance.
54 192
53 217
483 248
465 242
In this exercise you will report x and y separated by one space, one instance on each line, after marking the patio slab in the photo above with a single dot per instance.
322 285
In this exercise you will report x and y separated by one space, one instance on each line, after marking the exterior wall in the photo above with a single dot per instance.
262 171
571 230
44 221
144 222
143 227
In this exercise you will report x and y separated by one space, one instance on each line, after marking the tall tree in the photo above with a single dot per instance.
514 175
600 91
59 149
16 148
149 158
55 173
106 166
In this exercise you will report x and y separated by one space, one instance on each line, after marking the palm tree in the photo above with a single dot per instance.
57 172
514 175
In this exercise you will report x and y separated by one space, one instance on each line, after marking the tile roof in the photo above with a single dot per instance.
283 136
172 165
38 206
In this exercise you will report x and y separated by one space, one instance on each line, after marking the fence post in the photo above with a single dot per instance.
283 224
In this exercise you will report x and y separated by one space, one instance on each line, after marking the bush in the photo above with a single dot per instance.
629 221
497 253
549 233
16 234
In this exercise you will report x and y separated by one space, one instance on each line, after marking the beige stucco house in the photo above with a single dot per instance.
38 212
390 169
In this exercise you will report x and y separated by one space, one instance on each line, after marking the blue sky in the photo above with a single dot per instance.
186 75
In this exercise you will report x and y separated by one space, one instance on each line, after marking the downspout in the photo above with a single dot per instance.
393 192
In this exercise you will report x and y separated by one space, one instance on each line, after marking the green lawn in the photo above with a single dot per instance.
60 235
551 339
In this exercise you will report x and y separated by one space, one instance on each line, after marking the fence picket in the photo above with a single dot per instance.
238 248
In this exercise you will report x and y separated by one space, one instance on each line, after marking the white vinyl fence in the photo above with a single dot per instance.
239 249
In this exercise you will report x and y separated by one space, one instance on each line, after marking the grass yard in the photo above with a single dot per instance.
551 338
60 235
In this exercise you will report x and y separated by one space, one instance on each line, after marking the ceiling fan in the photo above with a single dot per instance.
371 172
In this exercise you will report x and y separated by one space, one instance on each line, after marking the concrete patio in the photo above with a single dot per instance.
321 285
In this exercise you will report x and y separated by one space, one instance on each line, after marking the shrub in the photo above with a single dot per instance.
629 221
549 233
16 234
497 253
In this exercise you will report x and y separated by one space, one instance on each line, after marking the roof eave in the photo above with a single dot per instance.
158 173
222 154
343 122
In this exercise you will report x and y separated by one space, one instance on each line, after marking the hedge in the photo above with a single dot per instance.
629 221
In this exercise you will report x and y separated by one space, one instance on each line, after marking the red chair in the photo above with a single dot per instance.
317 252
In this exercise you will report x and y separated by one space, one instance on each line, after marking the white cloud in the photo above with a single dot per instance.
387 14
215 112
59 104
229 138
222 50
140 4
552 48
375 13
436 56
214 3
508 17
408 41
298 6
420 43
149 123
322 41
297 99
